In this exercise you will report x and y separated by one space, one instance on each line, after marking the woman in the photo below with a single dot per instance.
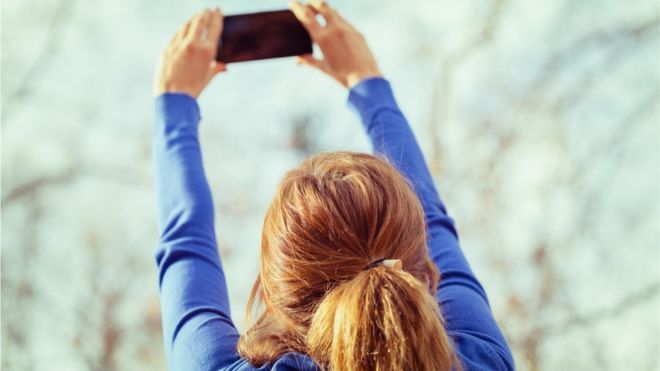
352 243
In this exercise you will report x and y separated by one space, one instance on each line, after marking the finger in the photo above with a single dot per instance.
221 22
322 7
205 24
200 25
181 32
309 60
306 15
215 27
334 13
189 26
217 67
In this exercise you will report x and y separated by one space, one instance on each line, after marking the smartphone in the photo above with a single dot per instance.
264 35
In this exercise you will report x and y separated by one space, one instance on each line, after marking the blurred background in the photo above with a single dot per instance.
540 121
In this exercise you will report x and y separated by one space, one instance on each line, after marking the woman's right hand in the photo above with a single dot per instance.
188 63
346 56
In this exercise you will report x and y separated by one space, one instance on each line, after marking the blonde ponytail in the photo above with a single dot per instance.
383 319
331 217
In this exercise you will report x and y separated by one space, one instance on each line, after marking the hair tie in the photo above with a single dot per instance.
390 263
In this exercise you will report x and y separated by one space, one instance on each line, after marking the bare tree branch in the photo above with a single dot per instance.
443 87
624 304
40 67
35 185
616 37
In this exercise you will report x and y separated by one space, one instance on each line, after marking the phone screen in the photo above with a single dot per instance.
275 34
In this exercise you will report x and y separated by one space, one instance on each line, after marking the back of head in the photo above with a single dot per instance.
330 218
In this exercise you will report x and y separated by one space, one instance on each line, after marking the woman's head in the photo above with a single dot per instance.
331 217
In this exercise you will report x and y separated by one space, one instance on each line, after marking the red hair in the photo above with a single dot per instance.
330 218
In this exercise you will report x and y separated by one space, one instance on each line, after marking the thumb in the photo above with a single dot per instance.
217 67
309 60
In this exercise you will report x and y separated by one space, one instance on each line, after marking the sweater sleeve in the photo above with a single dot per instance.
469 320
197 327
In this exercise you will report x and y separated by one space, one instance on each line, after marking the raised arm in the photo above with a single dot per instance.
464 303
197 328
347 58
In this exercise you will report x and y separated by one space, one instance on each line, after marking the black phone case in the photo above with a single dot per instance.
264 35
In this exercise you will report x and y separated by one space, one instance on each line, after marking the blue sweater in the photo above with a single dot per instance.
198 331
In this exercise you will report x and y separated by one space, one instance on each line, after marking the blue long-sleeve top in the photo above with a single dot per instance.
198 331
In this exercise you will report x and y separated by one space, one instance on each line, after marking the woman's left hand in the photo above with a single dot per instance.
188 63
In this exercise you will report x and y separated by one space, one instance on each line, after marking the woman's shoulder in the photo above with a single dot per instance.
287 362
